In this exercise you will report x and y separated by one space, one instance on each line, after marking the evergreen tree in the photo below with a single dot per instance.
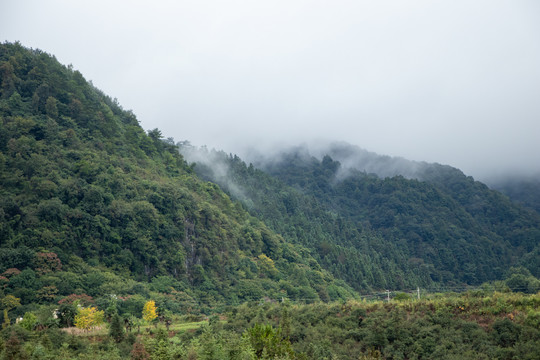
116 329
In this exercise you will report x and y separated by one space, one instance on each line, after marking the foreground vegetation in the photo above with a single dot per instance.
473 325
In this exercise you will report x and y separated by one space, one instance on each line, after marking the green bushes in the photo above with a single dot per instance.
447 326
453 327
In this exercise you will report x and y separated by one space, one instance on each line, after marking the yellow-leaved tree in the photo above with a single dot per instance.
88 318
149 312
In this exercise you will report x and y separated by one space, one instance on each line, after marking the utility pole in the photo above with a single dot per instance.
388 295
418 292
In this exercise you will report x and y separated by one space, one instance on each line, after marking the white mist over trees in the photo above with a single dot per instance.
449 82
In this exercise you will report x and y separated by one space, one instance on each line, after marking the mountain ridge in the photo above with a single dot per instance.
124 213
120 209
471 206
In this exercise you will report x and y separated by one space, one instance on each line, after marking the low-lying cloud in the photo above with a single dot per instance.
450 82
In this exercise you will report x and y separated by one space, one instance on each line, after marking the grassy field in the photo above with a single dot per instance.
181 327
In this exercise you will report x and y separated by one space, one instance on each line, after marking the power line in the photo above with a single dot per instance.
366 296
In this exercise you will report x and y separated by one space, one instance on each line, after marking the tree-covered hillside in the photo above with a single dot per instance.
92 204
467 231
520 189
349 250
445 228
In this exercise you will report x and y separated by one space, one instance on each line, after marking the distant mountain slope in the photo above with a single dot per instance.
522 190
455 228
446 207
349 250
82 183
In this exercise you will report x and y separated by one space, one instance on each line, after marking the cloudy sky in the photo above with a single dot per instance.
454 82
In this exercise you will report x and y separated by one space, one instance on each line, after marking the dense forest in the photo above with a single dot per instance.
91 203
113 246
351 252
385 232
521 189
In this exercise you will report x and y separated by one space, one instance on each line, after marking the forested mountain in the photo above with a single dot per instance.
523 190
92 204
435 226
349 250
104 223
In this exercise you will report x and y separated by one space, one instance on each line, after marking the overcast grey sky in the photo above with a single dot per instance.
454 82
